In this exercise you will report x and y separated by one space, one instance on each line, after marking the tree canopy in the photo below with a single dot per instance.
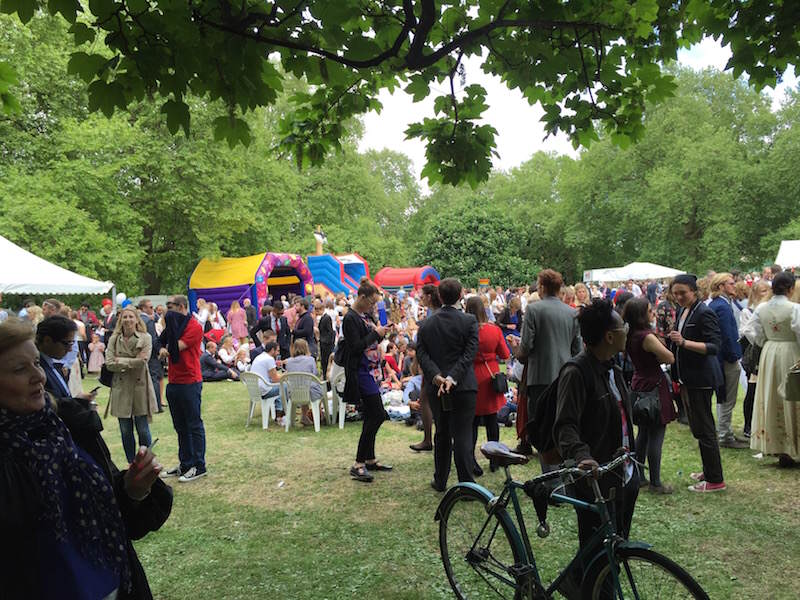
593 65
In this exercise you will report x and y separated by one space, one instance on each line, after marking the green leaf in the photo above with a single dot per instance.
23 8
177 116
86 66
105 97
419 87
137 6
82 33
67 8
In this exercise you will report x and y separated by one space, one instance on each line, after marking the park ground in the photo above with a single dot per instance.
279 517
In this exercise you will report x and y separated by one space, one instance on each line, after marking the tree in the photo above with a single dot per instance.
585 62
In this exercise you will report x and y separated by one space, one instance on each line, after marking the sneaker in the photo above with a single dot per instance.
192 474
705 486
697 476
173 472
281 421
523 448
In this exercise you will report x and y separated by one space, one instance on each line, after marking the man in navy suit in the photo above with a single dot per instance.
54 338
447 343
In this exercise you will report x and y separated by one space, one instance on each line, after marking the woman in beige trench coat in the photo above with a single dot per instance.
133 400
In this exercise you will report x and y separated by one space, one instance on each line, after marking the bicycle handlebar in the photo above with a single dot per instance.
577 471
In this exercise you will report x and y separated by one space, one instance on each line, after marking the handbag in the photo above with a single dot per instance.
793 384
646 407
499 380
106 376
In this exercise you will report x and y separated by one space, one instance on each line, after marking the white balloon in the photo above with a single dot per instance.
121 297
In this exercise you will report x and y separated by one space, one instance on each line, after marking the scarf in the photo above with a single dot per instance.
175 325
43 445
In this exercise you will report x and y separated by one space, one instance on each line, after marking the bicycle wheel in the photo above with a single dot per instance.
477 559
643 575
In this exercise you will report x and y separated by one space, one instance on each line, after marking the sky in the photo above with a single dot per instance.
519 131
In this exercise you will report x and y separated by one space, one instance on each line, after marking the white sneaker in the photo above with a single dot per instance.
281 421
191 475
173 472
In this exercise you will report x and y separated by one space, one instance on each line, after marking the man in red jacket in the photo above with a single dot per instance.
180 342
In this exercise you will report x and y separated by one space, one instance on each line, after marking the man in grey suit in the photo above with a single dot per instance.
550 337
447 343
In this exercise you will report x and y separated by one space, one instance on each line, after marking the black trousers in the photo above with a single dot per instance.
701 423
374 415
324 354
453 437
621 508
747 406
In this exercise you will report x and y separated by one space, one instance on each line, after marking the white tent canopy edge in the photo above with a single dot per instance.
634 270
789 254
22 272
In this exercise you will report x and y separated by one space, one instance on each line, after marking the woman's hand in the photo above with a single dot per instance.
141 474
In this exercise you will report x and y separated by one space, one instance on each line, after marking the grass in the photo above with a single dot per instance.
279 517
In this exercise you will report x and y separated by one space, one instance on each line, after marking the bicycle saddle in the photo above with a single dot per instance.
501 455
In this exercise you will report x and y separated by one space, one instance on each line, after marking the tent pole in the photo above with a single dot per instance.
113 298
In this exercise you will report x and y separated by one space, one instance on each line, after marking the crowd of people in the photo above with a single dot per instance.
574 368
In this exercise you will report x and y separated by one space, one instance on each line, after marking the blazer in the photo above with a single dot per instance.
550 337
304 329
327 336
53 385
447 342
153 364
729 350
263 324
692 369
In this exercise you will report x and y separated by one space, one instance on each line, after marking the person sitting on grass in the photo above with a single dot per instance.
212 367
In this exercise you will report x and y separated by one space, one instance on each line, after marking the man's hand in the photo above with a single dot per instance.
513 340
141 474
381 330
163 353
676 337
589 464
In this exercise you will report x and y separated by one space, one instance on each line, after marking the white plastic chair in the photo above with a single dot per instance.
251 380
296 390
339 406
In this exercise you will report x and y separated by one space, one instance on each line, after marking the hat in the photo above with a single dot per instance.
106 302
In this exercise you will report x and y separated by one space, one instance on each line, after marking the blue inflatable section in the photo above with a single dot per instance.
354 271
328 271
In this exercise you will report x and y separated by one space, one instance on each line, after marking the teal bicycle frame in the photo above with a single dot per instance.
602 545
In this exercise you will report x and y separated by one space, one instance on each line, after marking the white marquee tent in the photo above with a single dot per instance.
634 270
789 254
24 273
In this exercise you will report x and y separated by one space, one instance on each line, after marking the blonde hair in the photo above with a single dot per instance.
300 348
14 332
716 284
235 306
703 288
582 286
35 315
140 326
759 293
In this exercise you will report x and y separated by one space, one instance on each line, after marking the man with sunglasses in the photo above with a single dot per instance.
55 337
593 418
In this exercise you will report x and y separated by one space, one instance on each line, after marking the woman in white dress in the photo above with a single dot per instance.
775 326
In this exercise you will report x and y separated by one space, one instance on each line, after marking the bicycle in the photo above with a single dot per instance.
499 558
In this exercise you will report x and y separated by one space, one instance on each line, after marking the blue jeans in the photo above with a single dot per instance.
126 429
274 392
184 406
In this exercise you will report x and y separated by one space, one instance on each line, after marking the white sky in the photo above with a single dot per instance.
519 132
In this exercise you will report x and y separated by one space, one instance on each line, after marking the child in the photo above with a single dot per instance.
243 359
97 357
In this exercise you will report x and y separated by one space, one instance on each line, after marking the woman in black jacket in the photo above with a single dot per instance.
363 376
67 515
695 342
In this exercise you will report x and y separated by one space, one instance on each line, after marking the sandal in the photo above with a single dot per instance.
376 466
361 474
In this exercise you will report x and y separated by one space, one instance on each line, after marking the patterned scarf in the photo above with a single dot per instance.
41 442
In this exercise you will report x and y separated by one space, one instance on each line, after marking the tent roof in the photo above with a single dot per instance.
24 273
634 270
225 272
789 254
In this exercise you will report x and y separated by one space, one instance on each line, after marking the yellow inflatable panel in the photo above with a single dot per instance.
288 280
226 272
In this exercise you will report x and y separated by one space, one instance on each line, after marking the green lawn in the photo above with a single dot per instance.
279 517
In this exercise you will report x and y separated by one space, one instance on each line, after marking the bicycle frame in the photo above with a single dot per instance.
601 545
